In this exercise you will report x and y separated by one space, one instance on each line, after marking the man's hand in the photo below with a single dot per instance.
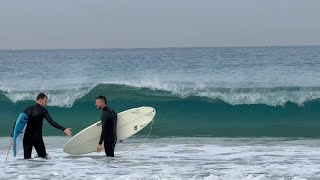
67 131
99 148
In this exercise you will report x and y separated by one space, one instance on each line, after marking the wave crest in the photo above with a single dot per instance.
272 96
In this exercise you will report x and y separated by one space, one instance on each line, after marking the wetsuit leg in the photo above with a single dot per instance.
109 145
27 147
40 148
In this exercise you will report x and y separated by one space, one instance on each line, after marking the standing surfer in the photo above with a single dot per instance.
33 132
109 127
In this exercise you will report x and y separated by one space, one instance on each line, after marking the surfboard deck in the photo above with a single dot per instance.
129 123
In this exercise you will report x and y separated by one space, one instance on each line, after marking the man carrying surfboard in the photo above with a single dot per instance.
109 127
33 132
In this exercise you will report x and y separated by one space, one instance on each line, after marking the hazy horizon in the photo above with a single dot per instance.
157 47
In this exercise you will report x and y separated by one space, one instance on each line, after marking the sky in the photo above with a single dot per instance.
82 24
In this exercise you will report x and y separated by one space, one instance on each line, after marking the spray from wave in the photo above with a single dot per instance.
272 96
60 98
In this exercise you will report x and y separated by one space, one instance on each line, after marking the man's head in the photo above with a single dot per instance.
101 102
42 99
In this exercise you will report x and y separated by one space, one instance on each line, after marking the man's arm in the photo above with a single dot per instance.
104 118
66 131
51 121
114 119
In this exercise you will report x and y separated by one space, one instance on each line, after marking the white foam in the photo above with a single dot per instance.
176 158
61 98
272 96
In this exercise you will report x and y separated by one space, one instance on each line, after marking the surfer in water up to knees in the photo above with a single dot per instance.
109 127
33 132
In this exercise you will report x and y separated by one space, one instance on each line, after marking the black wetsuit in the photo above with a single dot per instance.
33 133
109 130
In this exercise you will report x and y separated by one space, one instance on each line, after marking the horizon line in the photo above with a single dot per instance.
169 47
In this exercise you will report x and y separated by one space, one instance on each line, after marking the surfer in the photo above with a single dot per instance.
33 132
109 127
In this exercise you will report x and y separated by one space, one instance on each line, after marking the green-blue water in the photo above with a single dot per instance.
225 92
182 116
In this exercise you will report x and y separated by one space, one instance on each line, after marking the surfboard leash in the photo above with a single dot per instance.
8 150
144 140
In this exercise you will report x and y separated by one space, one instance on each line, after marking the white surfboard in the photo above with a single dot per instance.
129 122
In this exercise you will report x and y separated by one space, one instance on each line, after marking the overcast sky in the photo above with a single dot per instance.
73 24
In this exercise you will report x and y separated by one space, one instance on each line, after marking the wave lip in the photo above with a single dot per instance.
269 96
60 98
272 96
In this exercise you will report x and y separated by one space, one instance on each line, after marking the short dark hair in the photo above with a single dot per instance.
102 98
41 96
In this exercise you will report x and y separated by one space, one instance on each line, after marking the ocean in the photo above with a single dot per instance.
222 113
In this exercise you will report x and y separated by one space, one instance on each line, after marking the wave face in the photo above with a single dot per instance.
259 91
188 115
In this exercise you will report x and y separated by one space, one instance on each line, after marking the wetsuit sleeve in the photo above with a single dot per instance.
50 120
115 119
104 118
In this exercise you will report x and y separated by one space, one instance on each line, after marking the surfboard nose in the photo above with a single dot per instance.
150 110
